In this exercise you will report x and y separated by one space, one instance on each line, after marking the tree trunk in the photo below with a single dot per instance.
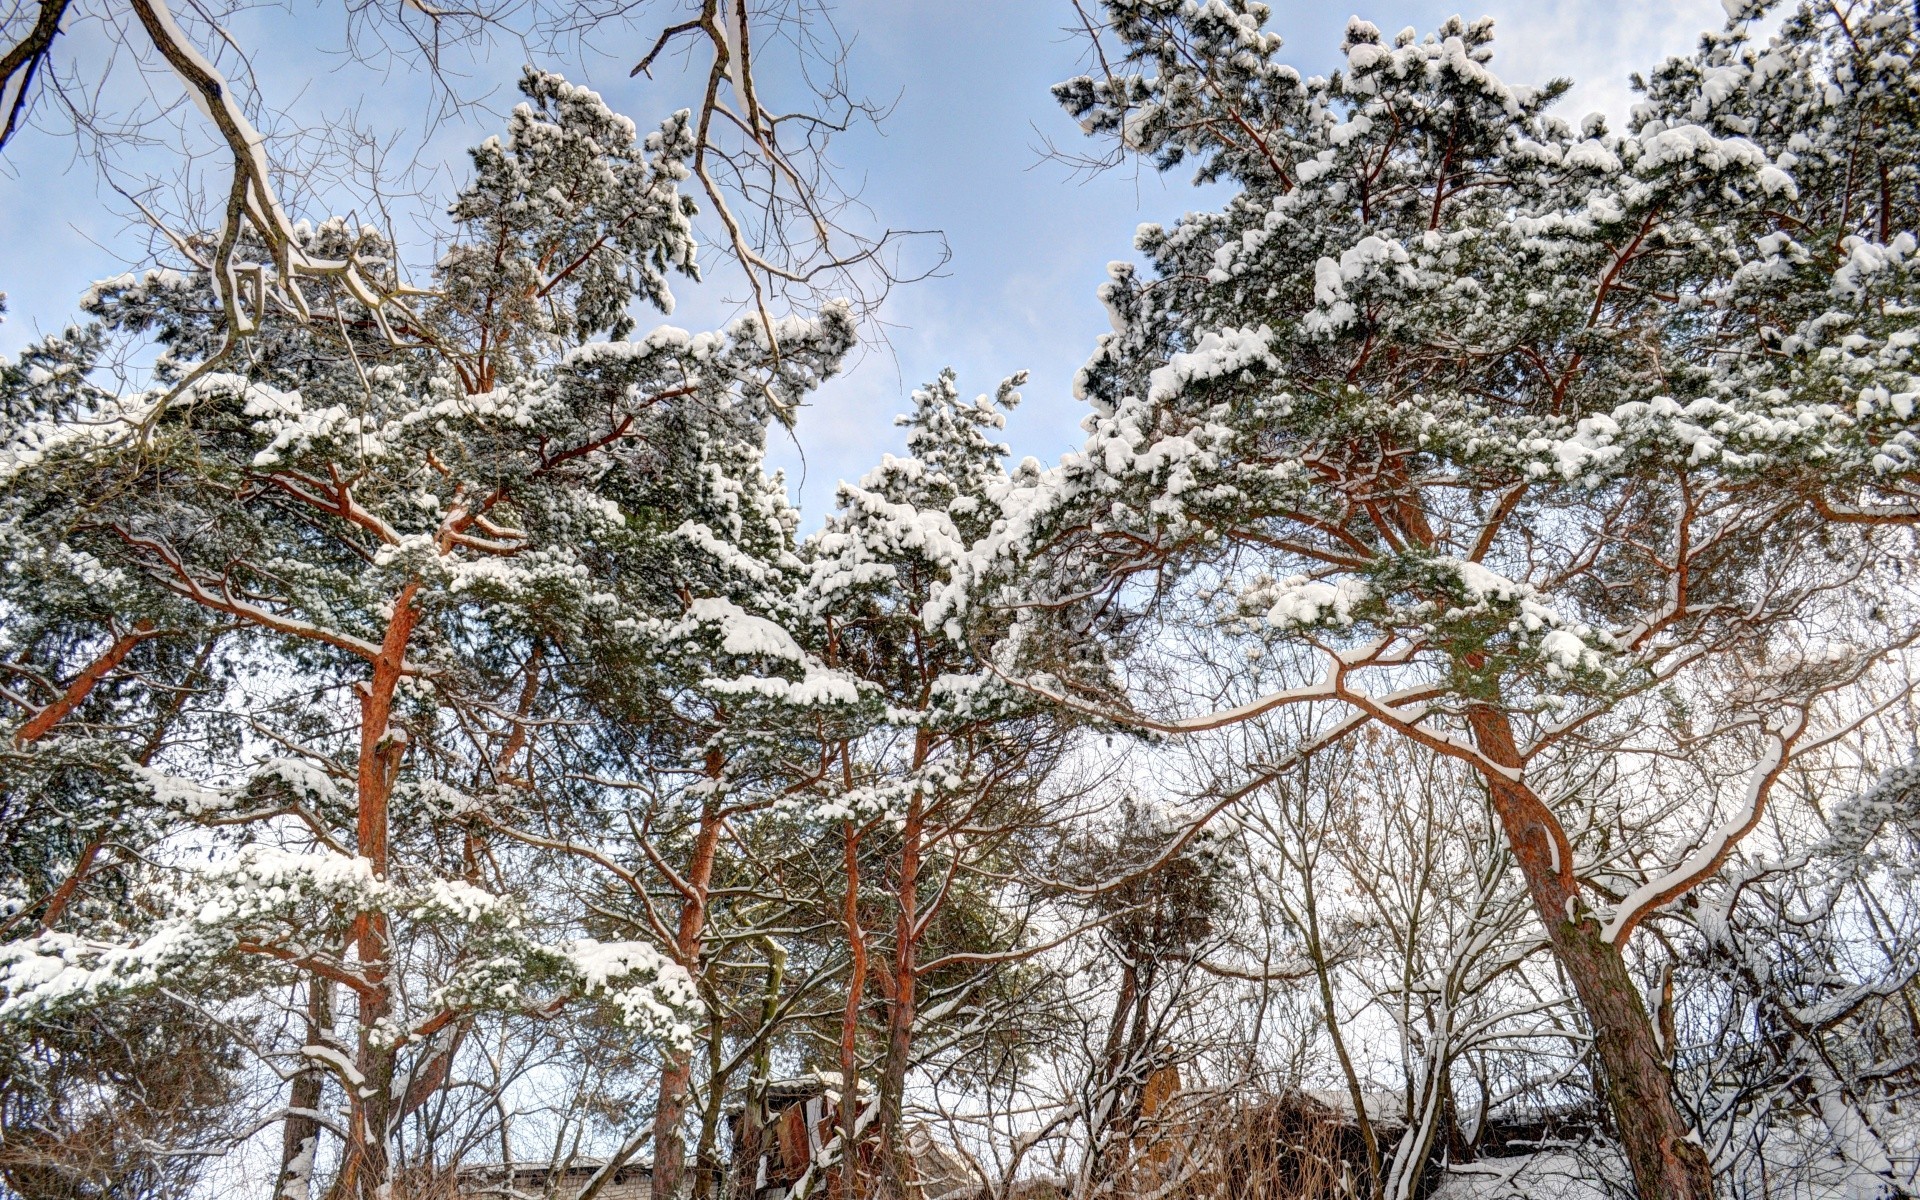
1112 1127
706 1158
1667 1163
1316 950
670 1144
676 1073
1429 1116
300 1134
751 1133
1110 1114
1457 1149
850 1024
895 1174
366 1171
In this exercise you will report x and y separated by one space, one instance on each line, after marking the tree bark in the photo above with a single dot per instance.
676 1074
895 1173
300 1133
850 1023
1667 1163
706 1158
366 1171
1316 950
750 1142
1112 1145
84 683
23 61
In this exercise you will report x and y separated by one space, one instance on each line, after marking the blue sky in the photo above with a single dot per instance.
959 153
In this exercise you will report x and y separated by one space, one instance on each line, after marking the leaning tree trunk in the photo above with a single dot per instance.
1667 1163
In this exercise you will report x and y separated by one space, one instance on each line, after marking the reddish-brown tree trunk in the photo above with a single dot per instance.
1667 1163
676 1073
894 1173
850 1022
365 1170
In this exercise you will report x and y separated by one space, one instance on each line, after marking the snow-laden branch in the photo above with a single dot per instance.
173 573
1713 851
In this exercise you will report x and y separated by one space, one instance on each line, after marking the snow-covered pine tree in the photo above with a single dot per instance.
1825 271
683 735
391 516
939 778
98 1095
1496 429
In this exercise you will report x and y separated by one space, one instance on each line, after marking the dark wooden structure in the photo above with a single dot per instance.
781 1137
630 1181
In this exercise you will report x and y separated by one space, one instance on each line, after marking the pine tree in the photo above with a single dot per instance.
388 516
706 711
944 769
1497 429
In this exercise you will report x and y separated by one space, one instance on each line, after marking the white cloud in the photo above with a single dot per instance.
1597 45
